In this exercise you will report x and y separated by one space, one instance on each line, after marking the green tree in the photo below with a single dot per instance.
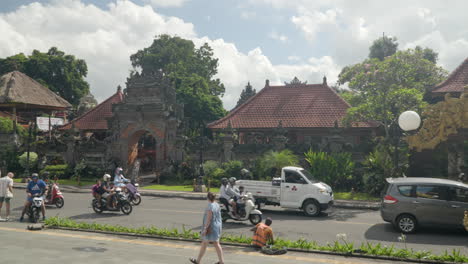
61 73
246 94
383 89
192 72
383 47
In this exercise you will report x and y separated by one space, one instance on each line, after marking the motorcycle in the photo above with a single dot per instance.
245 211
123 203
34 210
55 197
133 195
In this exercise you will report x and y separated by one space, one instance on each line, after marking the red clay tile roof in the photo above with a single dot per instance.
457 80
95 119
299 106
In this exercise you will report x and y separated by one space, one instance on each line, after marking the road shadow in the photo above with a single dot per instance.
90 216
430 236
336 214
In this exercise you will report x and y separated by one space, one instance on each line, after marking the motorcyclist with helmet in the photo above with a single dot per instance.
35 186
223 197
233 192
106 190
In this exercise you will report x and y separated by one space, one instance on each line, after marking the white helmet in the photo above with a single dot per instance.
106 177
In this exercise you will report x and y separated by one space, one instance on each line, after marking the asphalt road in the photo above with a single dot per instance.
360 226
54 246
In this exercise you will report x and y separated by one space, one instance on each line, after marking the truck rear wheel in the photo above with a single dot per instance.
311 208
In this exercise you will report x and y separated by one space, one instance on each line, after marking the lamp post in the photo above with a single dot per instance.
407 121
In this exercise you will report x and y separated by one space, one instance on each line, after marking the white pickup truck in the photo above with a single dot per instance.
295 189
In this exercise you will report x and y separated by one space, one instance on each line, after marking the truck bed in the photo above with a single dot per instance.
261 189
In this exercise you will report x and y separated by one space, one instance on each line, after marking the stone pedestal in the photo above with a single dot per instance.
199 188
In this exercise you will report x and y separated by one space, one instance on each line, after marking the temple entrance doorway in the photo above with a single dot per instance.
142 154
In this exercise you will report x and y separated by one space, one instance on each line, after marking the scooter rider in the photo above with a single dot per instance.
119 179
106 189
35 186
223 196
233 194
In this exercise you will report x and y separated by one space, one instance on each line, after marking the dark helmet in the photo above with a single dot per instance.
224 181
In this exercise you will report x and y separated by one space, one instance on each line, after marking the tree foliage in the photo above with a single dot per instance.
382 90
383 47
191 70
246 94
61 73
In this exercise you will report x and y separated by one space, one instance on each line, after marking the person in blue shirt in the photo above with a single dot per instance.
35 186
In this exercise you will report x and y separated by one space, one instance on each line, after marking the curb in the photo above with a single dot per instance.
363 205
351 255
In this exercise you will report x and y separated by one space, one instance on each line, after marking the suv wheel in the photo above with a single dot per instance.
406 223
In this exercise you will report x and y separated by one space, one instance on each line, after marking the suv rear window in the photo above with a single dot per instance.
406 190
431 192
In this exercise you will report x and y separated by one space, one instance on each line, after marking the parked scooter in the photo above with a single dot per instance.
34 210
245 211
133 195
55 196
123 203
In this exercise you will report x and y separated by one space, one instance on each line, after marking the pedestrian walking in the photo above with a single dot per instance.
6 193
211 231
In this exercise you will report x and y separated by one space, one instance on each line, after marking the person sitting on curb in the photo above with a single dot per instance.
263 234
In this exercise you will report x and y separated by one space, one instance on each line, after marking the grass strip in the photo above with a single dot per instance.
178 188
339 246
355 196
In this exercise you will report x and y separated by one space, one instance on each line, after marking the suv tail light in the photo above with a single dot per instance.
388 199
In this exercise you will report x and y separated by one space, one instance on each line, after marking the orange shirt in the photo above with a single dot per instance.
262 235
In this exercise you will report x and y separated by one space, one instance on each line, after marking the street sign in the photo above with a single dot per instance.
43 123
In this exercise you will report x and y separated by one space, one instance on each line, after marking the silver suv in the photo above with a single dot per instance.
412 202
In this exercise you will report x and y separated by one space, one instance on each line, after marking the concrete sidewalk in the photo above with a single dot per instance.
366 205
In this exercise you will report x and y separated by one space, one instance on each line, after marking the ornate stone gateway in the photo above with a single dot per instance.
149 109
445 121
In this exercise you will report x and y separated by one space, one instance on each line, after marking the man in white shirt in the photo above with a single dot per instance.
223 197
6 193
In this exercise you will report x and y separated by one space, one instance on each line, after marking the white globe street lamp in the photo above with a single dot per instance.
409 120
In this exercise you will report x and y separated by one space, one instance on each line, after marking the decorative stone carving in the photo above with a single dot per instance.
441 121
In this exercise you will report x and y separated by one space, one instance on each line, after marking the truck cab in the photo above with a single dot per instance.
299 189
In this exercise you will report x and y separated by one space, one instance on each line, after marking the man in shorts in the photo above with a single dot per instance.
6 193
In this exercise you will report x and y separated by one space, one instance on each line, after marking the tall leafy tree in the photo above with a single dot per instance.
383 89
192 71
61 73
246 94
383 47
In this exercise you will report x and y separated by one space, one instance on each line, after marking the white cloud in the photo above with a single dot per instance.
105 39
351 26
280 37
294 58
167 3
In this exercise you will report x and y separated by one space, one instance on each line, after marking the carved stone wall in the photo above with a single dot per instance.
149 106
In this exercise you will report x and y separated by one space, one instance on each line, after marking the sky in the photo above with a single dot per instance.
254 40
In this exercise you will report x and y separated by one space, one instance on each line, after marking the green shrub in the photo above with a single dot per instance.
214 172
32 160
59 171
272 162
334 169
232 168
377 167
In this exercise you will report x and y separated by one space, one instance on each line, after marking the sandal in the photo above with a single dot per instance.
194 261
